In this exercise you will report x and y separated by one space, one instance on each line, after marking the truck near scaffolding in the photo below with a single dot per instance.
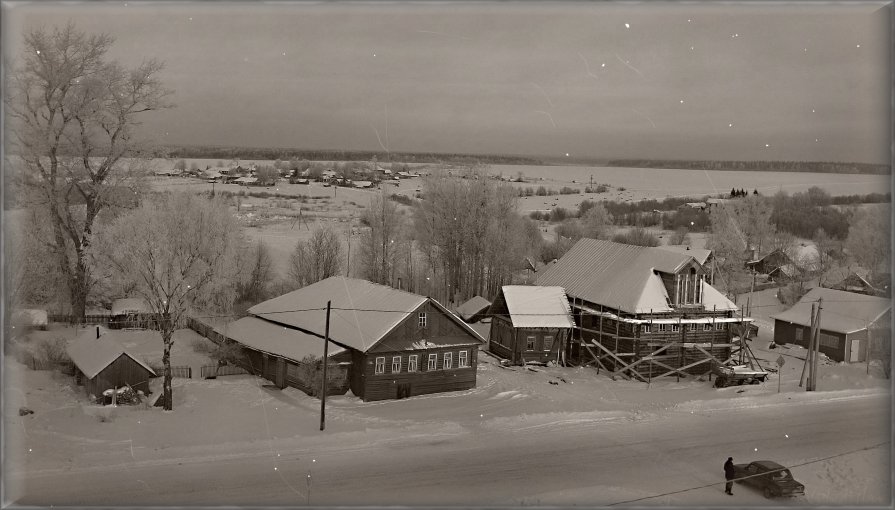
643 312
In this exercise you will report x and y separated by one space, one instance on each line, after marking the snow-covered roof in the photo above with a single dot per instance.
621 276
700 254
472 307
712 299
92 354
538 307
246 179
130 305
277 339
362 312
842 312
362 184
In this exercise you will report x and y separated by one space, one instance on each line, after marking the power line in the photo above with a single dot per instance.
750 476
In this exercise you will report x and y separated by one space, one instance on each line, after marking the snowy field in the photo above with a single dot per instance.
540 436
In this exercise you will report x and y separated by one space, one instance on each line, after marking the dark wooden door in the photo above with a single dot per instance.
403 390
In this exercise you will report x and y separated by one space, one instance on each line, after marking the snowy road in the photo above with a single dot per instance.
589 459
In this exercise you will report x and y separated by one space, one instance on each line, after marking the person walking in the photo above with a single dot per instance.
728 475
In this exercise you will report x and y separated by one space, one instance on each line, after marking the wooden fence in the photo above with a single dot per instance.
205 330
209 371
183 371
93 319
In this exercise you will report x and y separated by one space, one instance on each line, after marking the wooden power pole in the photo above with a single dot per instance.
810 348
325 362
812 385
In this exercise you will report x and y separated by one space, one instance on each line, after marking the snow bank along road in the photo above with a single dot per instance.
566 458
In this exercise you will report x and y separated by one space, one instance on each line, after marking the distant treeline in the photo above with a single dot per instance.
269 153
765 166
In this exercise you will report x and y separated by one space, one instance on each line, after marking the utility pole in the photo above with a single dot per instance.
323 384
810 348
814 359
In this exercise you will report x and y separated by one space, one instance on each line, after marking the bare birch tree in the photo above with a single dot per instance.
317 258
71 117
382 247
869 238
179 252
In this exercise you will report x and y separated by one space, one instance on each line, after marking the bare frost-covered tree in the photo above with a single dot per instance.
736 229
869 238
256 272
381 246
470 233
317 258
179 252
71 119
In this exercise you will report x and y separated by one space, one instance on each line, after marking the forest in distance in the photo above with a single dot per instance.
273 153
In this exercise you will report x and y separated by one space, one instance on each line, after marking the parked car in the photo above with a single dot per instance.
737 374
774 479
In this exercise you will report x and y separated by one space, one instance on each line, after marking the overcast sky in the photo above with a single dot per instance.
723 81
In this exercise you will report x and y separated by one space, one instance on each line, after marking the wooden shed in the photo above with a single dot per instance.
131 313
400 344
844 323
102 362
474 310
530 324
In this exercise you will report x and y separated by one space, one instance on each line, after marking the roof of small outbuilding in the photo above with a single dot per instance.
538 307
92 354
473 307
842 312
130 305
277 339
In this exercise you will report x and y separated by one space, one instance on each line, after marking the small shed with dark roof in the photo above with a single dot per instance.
102 362
474 310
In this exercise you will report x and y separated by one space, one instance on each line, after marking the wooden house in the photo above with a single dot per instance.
102 362
474 310
861 282
530 324
398 344
768 263
643 311
844 322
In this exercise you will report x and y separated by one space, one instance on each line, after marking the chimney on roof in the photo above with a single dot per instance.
97 332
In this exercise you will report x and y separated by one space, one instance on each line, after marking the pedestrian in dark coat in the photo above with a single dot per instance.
729 476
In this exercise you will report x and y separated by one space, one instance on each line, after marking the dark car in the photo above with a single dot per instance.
774 479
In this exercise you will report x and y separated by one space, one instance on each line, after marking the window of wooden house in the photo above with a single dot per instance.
462 359
548 342
719 326
448 360
396 364
422 321
433 361
706 327
799 334
380 365
662 327
692 326
646 328
530 343
675 328
829 340
412 362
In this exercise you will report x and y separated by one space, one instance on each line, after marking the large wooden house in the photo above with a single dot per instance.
394 344
643 311
530 324
846 319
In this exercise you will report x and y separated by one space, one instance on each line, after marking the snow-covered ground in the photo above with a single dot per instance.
539 436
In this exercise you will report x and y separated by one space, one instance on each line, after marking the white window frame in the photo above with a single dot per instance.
707 326
413 363
462 359
646 328
380 365
398 360
433 362
719 326
548 345
448 361
422 320
676 328
530 342
692 326
662 327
